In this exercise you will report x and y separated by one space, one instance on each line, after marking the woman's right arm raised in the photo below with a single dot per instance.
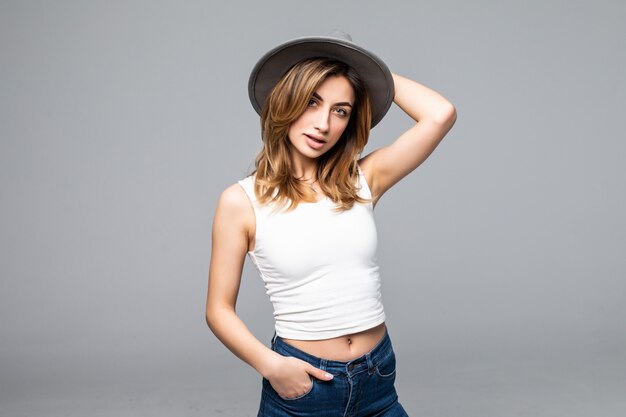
233 226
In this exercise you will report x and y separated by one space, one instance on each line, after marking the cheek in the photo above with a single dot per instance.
292 131
297 125
339 129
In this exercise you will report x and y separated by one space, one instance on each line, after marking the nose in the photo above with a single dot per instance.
322 120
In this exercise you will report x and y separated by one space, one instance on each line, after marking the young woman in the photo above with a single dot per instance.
305 219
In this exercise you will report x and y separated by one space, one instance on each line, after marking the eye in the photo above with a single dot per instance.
312 102
341 112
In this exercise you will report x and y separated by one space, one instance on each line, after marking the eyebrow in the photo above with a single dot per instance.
343 103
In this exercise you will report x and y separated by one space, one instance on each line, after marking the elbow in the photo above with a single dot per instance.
212 322
211 318
216 316
445 115
207 318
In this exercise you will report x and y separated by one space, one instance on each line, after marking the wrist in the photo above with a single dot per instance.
269 364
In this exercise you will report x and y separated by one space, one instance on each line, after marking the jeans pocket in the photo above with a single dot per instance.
268 388
386 368
299 397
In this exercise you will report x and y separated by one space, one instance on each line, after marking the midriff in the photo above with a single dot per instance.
342 348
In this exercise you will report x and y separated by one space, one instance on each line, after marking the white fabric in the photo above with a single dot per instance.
319 266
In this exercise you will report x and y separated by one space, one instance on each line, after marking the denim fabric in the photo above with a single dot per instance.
363 387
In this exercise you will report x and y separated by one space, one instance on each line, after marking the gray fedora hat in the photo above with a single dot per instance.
336 45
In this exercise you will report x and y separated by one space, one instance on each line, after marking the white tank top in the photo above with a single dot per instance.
319 266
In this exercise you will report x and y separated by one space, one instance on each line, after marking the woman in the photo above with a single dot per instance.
305 218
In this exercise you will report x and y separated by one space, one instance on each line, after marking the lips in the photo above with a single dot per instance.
315 142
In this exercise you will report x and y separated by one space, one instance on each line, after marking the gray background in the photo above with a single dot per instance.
502 256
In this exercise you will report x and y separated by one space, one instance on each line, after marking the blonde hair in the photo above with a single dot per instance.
337 171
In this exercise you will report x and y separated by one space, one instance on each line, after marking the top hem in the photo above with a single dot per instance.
304 335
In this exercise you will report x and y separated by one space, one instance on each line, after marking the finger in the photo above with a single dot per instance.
319 374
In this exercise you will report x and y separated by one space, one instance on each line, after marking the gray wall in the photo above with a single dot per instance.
502 256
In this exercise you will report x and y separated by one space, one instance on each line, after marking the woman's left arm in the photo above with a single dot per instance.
434 117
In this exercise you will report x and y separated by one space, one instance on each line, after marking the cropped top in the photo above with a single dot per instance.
319 266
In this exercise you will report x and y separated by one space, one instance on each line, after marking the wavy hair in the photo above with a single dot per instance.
337 171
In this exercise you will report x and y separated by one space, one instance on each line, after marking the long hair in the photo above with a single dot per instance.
337 171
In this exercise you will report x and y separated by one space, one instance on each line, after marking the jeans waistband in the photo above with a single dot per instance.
368 361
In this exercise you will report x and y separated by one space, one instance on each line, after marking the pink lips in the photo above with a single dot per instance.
315 142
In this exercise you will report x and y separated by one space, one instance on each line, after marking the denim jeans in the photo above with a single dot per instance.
362 387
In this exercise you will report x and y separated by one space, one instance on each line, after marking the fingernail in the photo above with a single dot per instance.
329 376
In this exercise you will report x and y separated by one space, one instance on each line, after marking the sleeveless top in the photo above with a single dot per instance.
319 266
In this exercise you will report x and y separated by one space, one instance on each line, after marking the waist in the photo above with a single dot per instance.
343 348
378 352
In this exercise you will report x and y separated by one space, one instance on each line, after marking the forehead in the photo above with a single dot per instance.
336 88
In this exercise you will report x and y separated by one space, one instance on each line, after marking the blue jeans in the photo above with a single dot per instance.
362 387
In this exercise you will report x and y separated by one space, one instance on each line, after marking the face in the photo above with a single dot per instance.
321 125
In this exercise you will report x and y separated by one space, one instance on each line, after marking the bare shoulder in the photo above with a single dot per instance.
234 198
235 206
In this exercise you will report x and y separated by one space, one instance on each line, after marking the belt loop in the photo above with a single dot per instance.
274 339
323 363
370 364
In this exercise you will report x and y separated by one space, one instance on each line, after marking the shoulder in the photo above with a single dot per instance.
234 205
234 199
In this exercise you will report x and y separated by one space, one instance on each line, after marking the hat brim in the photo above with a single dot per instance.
371 69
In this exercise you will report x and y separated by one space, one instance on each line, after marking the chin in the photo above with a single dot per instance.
311 154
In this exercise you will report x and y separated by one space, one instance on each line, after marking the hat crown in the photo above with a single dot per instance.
336 33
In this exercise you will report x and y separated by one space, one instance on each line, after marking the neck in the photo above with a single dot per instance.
305 169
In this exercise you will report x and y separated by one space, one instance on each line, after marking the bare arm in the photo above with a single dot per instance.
232 227
434 116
